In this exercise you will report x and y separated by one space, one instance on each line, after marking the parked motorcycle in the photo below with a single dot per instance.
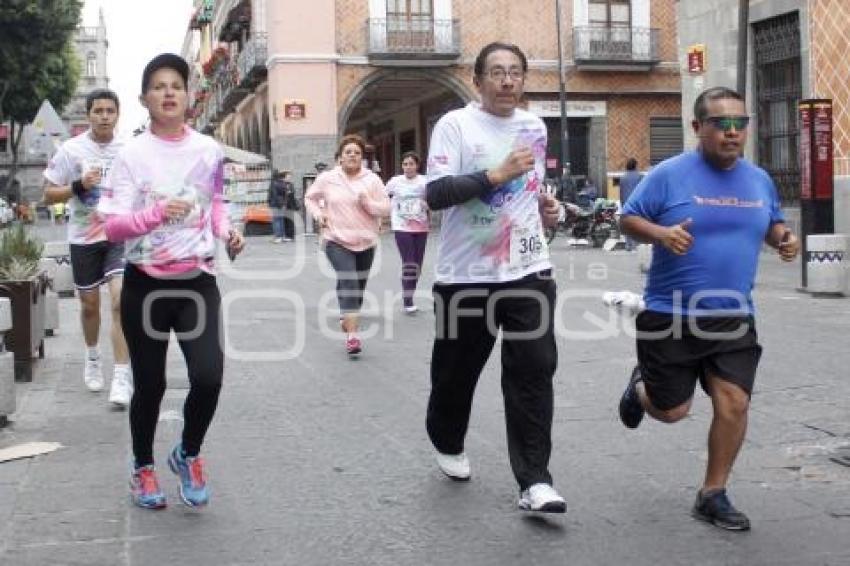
604 224
596 222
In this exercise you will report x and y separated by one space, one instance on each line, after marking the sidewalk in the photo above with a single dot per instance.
319 460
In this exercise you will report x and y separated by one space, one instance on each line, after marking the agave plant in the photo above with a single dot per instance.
19 254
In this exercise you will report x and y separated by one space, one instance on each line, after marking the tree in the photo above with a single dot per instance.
37 61
56 81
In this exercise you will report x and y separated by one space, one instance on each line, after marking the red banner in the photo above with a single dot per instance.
4 131
805 151
816 167
822 150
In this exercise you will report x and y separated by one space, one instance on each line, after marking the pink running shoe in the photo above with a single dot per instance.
353 345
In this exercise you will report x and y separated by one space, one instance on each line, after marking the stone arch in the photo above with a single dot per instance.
442 77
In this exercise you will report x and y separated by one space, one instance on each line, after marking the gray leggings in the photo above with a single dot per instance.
352 272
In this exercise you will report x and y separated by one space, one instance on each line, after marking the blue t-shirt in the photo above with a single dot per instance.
732 211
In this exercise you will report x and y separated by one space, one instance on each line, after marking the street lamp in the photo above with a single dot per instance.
565 140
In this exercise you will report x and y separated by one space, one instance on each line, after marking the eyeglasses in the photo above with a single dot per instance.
498 74
726 123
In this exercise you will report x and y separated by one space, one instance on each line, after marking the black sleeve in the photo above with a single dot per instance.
456 189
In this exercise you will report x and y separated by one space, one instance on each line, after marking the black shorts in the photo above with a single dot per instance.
92 264
673 356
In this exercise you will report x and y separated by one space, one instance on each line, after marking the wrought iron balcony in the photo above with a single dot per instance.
251 63
412 39
623 47
232 92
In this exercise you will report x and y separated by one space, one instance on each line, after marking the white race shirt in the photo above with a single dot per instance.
498 237
68 164
410 210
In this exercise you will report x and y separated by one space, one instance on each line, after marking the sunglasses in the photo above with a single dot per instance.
726 123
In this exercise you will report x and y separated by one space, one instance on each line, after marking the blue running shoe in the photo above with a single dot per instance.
193 483
144 488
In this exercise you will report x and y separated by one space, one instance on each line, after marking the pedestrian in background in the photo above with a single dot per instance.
347 202
276 200
410 221
709 211
75 175
165 200
485 168
628 182
290 207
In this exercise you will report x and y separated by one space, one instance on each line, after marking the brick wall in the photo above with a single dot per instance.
628 126
830 36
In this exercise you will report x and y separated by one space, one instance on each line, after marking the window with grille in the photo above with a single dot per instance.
778 89
665 138
614 20
410 24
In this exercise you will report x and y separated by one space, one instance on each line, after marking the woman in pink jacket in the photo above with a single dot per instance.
347 202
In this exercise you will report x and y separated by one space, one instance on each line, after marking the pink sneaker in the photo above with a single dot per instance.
353 345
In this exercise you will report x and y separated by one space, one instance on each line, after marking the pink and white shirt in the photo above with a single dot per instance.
148 172
352 219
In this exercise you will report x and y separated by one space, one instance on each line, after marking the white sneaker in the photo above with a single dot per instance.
542 497
456 466
277 240
121 390
93 377
411 309
626 302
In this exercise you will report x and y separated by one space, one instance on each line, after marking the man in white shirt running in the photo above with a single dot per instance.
75 175
486 170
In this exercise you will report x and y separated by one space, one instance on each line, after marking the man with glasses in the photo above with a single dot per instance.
708 211
485 169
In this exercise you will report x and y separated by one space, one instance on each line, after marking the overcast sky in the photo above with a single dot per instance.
137 31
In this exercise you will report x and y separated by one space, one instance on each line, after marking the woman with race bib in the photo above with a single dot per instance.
410 220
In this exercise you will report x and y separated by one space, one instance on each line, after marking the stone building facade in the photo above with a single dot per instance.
797 50
388 69
39 139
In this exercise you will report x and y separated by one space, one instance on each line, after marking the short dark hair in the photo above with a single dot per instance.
101 94
498 46
713 93
631 164
412 155
349 139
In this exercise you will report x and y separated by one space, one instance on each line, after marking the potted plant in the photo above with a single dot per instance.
25 284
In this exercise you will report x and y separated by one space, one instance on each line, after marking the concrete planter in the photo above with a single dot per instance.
26 339
51 313
7 365
56 261
7 387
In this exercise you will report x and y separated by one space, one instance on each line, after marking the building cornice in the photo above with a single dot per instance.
296 58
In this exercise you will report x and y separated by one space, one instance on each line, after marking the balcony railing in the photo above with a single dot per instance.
251 63
604 47
415 37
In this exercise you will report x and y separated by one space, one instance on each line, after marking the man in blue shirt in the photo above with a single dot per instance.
708 212
628 183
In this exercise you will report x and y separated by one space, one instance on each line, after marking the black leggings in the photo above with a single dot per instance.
352 272
176 306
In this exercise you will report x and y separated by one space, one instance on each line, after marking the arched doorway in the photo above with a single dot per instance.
395 110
